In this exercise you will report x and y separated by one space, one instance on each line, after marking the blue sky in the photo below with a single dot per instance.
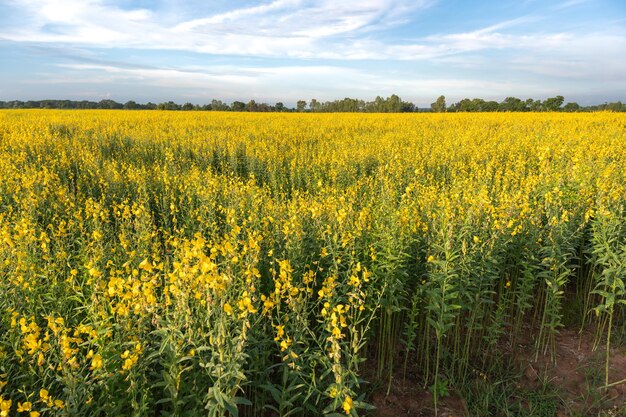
285 50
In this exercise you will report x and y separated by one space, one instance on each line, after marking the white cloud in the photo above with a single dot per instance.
304 29
295 28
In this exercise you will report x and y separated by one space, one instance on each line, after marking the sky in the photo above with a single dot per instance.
286 50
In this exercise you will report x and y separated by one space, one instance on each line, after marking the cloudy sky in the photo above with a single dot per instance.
285 50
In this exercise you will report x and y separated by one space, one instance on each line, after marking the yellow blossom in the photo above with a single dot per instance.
23 407
228 309
347 405
44 395
5 406
96 362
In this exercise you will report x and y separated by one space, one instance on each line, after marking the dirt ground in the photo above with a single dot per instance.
577 375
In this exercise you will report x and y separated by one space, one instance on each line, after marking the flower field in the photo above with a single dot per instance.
185 264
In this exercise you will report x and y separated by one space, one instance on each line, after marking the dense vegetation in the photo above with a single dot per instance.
391 104
169 263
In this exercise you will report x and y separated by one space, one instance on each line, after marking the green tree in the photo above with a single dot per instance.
105 104
394 104
616 106
534 105
571 107
170 105
238 106
490 106
553 103
315 105
439 106
218 105
251 106
131 105
513 104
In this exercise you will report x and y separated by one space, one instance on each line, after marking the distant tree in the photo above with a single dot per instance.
251 106
439 106
218 105
467 105
490 106
301 105
512 104
66 104
170 105
464 105
108 104
349 105
263 107
379 105
616 106
408 107
131 105
393 104
534 105
238 106
315 105
571 107
553 103
478 104
83 104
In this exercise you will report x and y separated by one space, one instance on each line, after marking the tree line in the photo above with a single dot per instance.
391 104
514 104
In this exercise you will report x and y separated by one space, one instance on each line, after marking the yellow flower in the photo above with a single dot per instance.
44 395
34 414
284 344
347 404
5 406
23 407
228 309
96 362
128 364
146 265
94 272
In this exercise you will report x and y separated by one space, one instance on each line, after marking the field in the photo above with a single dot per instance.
168 263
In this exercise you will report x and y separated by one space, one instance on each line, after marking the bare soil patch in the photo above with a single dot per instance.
576 375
